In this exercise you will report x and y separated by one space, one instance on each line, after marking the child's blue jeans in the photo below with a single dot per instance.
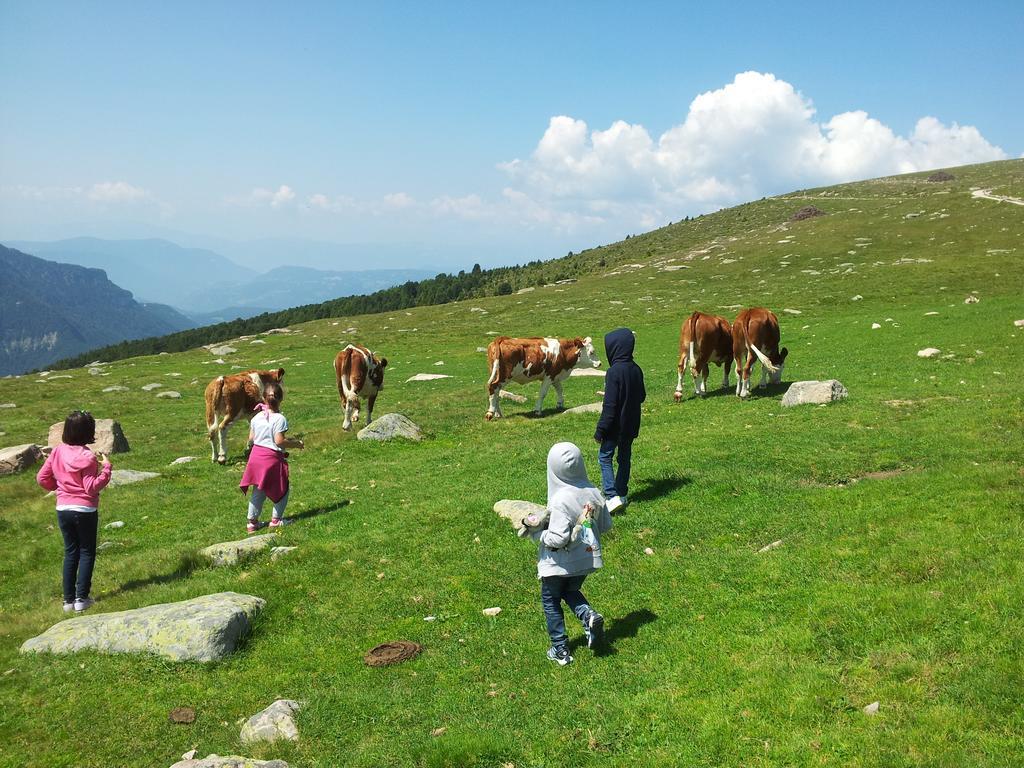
555 589
615 483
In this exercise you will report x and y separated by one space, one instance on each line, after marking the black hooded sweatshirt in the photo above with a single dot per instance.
623 389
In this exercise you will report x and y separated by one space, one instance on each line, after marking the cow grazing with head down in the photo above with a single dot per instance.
755 335
702 339
360 375
547 360
229 398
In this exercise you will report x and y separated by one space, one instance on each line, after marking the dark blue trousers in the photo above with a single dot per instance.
79 532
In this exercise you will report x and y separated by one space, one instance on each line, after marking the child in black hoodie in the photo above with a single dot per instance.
620 417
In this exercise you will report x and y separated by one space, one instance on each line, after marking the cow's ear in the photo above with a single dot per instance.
783 353
280 373
383 362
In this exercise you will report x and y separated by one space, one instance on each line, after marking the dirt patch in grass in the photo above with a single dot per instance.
807 212
908 403
884 474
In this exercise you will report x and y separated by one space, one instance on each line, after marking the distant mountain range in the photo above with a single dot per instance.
209 287
73 295
49 311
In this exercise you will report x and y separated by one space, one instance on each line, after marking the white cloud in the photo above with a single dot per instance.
755 136
116 192
274 198
399 200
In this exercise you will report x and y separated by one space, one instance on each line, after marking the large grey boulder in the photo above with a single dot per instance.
231 761
390 426
273 723
201 629
19 457
230 552
814 392
109 437
129 476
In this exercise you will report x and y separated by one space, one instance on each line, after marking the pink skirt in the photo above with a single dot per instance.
268 471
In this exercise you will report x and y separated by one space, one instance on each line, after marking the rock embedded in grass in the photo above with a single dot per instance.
274 723
129 476
231 552
184 459
170 394
427 377
511 396
109 437
19 457
389 426
928 352
586 408
150 387
231 761
116 388
814 392
515 511
115 524
221 350
201 629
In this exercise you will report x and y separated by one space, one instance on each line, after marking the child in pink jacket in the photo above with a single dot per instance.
73 471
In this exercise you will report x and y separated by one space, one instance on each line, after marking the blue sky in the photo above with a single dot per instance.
517 130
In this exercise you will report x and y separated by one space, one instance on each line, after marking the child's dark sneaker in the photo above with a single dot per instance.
560 656
252 526
594 629
84 604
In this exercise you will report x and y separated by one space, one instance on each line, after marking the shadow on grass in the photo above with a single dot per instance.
658 487
189 562
617 630
317 511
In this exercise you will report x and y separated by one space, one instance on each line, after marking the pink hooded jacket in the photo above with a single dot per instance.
74 473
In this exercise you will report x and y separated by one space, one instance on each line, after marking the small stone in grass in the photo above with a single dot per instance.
438 731
648 551
875 326
928 352
871 709
491 611
768 547
115 524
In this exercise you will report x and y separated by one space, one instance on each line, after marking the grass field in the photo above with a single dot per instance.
898 580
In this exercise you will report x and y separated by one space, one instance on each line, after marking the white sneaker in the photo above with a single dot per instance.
84 605
69 607
614 504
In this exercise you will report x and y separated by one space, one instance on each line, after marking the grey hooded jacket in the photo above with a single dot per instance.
568 490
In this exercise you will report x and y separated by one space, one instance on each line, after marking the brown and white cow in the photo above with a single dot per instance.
704 338
524 360
360 375
229 398
755 334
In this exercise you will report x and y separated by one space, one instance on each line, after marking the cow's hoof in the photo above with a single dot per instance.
489 416
677 396
222 460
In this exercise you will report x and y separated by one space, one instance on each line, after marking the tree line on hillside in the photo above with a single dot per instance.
441 289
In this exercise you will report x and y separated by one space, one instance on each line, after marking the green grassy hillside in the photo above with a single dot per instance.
898 579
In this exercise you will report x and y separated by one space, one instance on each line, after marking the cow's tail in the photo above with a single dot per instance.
212 402
768 366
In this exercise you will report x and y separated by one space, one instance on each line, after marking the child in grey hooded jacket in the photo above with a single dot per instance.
564 560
